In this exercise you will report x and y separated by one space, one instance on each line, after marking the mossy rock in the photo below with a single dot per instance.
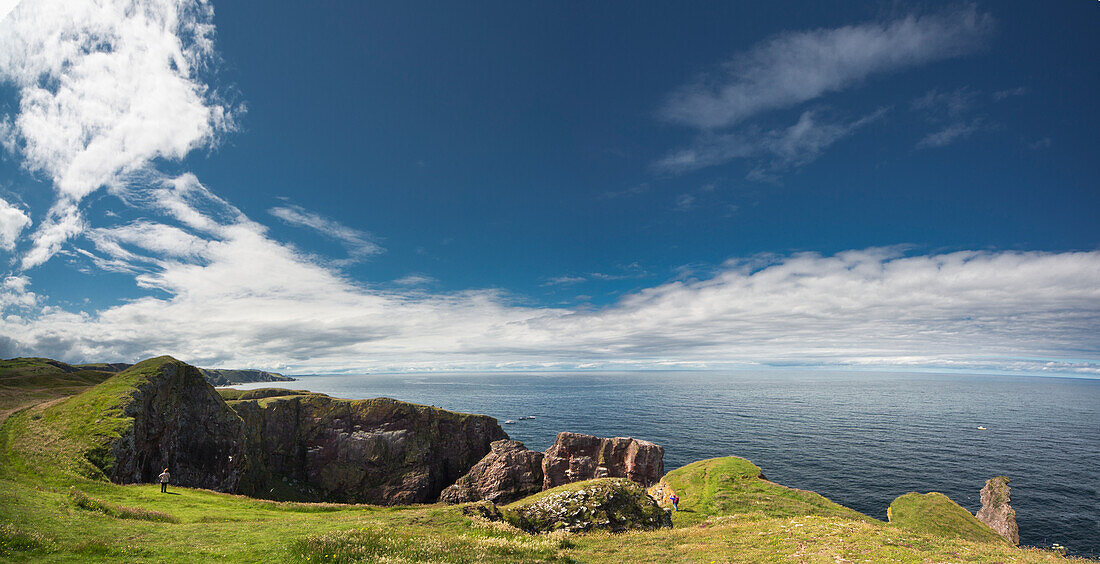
607 504
935 513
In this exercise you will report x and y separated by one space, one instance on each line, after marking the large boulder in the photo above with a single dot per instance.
609 504
996 511
574 457
509 472
314 447
180 423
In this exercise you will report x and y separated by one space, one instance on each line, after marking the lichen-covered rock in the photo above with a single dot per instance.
317 448
179 423
484 509
996 511
609 504
574 457
509 472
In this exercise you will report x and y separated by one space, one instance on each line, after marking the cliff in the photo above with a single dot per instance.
276 444
382 451
228 377
177 422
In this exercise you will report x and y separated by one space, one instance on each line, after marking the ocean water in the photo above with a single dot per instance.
858 438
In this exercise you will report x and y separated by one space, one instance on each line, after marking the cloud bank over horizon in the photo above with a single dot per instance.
110 91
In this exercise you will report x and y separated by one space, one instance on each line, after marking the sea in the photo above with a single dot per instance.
859 438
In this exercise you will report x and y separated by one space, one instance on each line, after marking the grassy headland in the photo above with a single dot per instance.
56 506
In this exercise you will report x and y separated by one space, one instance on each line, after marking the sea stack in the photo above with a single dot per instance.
996 511
574 457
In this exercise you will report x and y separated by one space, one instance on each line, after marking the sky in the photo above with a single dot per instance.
335 187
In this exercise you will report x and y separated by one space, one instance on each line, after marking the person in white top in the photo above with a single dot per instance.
164 477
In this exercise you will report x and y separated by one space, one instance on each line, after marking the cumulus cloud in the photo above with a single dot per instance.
359 244
105 88
12 222
872 307
792 68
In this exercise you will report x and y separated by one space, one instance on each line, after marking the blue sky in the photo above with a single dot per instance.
536 186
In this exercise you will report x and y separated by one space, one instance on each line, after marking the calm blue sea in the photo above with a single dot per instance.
858 438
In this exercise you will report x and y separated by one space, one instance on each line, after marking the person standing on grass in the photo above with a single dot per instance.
675 499
164 477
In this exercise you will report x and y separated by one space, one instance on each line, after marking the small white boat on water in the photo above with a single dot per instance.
526 417
980 428
509 422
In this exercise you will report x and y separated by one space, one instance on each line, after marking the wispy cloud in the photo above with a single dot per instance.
1009 93
771 151
793 68
947 104
564 280
950 134
415 280
359 244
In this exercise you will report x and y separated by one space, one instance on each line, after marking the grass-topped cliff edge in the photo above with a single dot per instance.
56 505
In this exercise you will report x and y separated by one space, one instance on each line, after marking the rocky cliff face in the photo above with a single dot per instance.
366 451
509 472
996 511
574 457
179 423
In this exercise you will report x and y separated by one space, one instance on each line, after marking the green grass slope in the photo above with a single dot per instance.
936 514
731 486
56 507
26 381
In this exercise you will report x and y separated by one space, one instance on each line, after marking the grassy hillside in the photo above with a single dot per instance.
55 506
733 486
936 514
27 381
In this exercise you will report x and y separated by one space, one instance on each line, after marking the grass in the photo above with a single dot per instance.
735 516
935 513
732 486
28 381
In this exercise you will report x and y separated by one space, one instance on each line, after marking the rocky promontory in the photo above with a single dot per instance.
178 422
382 451
276 444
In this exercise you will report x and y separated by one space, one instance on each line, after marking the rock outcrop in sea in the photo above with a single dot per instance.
509 472
574 457
996 511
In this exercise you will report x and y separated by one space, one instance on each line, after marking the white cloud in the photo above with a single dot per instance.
772 150
792 68
12 222
874 307
415 280
359 244
950 134
104 89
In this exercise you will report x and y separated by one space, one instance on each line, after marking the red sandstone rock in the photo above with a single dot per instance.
996 511
509 472
574 457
